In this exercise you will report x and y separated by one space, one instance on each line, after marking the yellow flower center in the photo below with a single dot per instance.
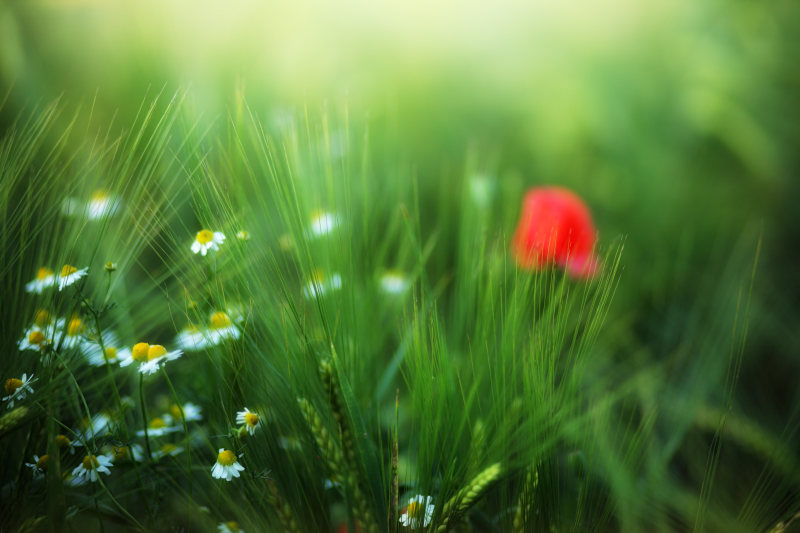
67 270
90 462
414 509
157 423
42 318
12 385
74 327
226 458
110 353
99 195
175 411
155 351
220 320
168 448
62 441
121 452
36 337
317 275
41 464
139 352
43 273
205 236
233 526
251 419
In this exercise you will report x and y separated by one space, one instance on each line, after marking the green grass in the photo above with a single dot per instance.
516 400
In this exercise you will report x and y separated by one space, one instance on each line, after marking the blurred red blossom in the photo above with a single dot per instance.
555 228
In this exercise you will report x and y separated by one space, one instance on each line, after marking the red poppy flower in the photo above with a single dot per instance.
555 228
343 528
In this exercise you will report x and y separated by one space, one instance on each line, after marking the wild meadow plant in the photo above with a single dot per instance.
245 328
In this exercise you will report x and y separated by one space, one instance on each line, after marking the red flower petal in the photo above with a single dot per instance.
555 228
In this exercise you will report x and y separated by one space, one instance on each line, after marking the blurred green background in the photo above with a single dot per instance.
677 121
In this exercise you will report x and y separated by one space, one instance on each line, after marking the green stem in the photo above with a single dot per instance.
185 429
144 415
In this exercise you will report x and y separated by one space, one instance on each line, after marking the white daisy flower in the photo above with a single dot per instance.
320 284
322 223
207 240
149 357
33 340
73 333
156 356
243 236
101 205
226 467
113 355
91 467
69 275
192 339
229 527
41 333
63 443
191 412
159 426
167 450
220 328
124 452
249 419
418 513
44 278
99 426
17 389
394 282
138 354
39 465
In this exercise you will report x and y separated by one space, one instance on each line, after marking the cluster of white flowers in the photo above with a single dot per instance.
46 278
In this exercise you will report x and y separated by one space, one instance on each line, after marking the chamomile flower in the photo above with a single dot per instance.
124 452
32 340
320 284
101 204
220 328
45 278
159 426
63 443
191 412
112 355
156 356
138 354
17 389
207 240
229 527
91 467
69 275
167 450
39 465
418 513
73 332
192 339
97 427
243 236
227 467
322 223
249 419
394 282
